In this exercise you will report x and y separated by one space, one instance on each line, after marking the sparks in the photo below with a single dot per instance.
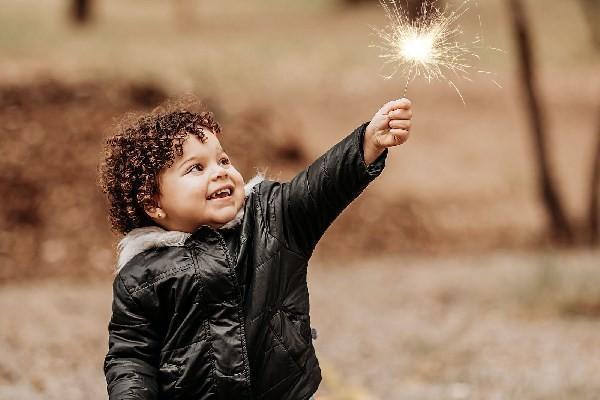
428 46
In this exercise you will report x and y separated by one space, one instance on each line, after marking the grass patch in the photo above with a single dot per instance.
561 288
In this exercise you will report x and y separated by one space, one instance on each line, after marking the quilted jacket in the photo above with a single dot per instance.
224 313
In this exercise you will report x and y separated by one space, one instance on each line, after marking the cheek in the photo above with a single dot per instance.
240 190
237 179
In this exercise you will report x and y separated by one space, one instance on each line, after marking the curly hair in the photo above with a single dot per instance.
141 146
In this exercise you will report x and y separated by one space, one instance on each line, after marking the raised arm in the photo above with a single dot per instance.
311 201
316 196
300 211
131 363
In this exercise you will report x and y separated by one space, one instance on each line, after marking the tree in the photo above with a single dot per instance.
593 213
413 7
559 224
591 9
81 11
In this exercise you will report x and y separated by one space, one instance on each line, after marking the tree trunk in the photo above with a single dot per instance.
591 10
559 225
416 7
594 202
81 11
413 7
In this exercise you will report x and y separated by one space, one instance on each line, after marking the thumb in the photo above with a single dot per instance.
394 137
394 104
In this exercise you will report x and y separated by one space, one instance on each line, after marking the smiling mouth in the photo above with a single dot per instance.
221 194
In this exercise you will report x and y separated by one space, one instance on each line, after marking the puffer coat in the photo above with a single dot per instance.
224 313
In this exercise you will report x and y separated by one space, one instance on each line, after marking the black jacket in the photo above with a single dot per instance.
224 314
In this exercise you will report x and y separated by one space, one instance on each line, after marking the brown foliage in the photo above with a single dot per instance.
54 216
50 141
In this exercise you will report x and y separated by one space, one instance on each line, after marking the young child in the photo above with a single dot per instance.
210 298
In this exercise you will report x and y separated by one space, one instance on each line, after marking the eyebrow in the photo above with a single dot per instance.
219 149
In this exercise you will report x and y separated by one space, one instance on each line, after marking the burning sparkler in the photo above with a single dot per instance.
427 46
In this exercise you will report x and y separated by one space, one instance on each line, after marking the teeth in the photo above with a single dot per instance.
226 190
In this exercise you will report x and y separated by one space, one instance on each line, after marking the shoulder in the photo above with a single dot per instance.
154 265
265 190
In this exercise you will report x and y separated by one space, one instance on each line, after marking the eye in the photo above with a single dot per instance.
225 161
196 167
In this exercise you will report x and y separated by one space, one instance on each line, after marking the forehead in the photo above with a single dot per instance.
193 146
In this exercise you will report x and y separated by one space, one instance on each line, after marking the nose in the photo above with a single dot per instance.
219 172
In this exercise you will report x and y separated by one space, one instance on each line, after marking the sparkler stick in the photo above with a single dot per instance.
406 86
427 46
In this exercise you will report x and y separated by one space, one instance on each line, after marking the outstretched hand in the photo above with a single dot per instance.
389 127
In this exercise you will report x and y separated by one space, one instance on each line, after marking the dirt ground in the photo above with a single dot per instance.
499 326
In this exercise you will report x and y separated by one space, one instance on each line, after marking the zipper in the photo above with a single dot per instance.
240 309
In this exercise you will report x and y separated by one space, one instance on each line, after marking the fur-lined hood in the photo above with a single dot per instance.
141 239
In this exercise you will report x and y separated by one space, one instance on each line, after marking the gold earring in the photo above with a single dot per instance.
160 215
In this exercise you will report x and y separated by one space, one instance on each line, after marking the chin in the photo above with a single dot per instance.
226 216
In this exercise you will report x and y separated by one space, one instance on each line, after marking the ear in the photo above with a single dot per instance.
154 210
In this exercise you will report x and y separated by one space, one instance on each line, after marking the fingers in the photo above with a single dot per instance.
400 114
395 138
400 123
400 119
403 103
396 122
399 135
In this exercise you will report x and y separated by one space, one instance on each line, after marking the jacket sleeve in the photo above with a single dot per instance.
131 363
316 196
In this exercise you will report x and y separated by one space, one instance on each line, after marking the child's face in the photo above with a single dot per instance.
187 197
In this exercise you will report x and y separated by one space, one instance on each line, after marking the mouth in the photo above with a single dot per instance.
223 192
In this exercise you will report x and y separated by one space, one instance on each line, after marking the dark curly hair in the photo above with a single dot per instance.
140 147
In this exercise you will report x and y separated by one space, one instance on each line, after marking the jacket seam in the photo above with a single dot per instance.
129 294
272 256
258 316
202 338
288 315
213 364
131 297
240 310
268 230
146 364
357 143
326 179
281 342
372 170
193 255
310 195
269 310
162 276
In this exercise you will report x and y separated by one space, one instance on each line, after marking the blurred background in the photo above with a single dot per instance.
469 270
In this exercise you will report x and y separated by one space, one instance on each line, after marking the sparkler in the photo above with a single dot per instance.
427 46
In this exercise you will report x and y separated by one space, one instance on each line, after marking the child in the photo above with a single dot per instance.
210 298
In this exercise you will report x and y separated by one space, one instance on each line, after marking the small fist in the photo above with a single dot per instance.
390 126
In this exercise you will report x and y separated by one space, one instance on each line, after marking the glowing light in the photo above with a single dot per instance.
427 46
417 48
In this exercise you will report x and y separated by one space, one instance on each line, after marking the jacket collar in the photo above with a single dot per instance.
141 239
